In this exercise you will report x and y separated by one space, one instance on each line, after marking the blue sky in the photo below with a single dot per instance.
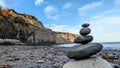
68 15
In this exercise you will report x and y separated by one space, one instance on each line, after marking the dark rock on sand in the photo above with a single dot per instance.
84 51
85 25
83 39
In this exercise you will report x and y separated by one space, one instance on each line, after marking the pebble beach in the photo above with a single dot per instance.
23 56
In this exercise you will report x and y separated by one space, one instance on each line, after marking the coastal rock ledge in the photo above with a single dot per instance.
95 62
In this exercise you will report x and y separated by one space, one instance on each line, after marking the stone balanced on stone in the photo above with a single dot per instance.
83 52
84 38
85 49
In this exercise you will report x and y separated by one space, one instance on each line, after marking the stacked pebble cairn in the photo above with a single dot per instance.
85 53
86 49
84 38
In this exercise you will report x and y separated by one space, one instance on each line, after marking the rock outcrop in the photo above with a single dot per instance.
27 28
10 41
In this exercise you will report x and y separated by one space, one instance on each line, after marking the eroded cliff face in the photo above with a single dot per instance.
49 36
19 26
66 37
14 25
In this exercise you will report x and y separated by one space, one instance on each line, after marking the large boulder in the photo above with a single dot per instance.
88 63
10 41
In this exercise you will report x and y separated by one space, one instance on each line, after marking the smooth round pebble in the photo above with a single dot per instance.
85 31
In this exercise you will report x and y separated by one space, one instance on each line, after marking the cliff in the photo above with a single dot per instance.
27 28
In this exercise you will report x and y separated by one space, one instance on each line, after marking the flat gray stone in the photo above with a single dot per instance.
84 51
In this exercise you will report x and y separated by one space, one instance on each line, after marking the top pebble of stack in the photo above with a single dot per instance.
85 25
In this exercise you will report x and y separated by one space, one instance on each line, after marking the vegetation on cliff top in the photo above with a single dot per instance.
12 22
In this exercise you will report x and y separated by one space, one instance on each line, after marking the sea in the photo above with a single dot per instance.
111 45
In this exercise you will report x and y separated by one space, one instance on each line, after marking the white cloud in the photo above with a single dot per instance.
38 2
63 28
67 5
105 29
56 27
3 4
105 25
51 12
117 2
110 20
88 7
50 9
